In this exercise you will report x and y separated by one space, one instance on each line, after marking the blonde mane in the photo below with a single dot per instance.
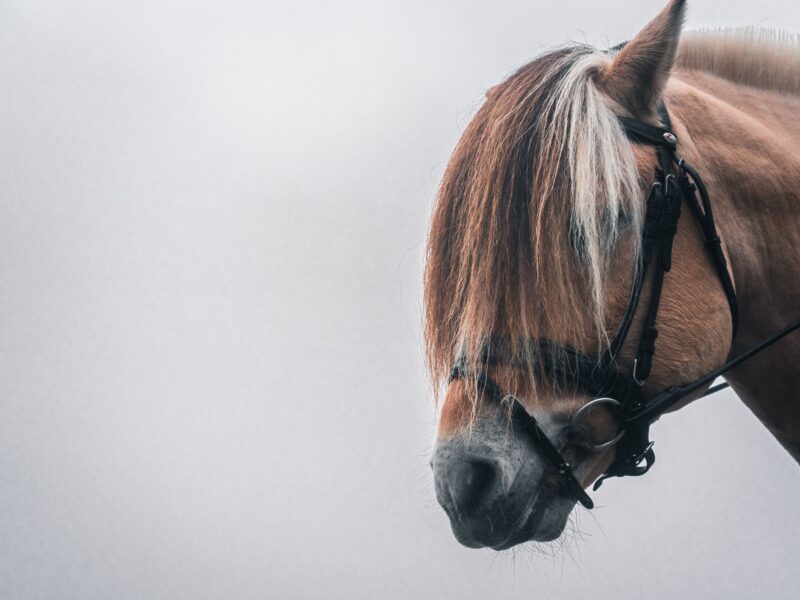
761 58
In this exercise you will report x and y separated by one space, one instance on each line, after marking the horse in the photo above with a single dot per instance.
537 241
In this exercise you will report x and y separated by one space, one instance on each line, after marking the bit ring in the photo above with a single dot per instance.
583 409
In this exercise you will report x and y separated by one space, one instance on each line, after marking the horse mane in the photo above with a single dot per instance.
757 57
534 199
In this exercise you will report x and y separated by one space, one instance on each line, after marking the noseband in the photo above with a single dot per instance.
675 181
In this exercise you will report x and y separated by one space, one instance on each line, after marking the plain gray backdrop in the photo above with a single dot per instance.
212 224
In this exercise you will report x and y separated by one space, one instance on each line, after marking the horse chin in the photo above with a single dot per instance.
540 524
545 522
543 525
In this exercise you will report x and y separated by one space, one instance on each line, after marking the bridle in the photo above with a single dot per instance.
675 181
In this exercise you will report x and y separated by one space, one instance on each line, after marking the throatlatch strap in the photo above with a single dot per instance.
705 217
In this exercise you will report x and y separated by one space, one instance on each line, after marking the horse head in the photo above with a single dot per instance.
536 241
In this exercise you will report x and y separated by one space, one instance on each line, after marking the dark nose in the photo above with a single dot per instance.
469 482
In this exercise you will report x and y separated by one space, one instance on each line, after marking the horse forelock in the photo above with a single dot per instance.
530 208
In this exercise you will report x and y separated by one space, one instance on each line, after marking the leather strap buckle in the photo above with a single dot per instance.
637 458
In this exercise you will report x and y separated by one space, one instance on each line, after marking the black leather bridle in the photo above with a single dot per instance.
675 181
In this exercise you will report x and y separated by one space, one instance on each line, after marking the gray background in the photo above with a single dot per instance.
212 222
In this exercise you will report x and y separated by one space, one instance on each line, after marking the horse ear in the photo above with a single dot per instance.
638 73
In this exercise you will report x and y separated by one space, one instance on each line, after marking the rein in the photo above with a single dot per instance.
675 181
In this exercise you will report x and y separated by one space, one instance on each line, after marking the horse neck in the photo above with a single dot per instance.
746 145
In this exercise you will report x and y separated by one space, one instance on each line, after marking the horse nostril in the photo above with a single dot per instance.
470 481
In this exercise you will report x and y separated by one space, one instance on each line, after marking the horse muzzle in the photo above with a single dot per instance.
496 489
